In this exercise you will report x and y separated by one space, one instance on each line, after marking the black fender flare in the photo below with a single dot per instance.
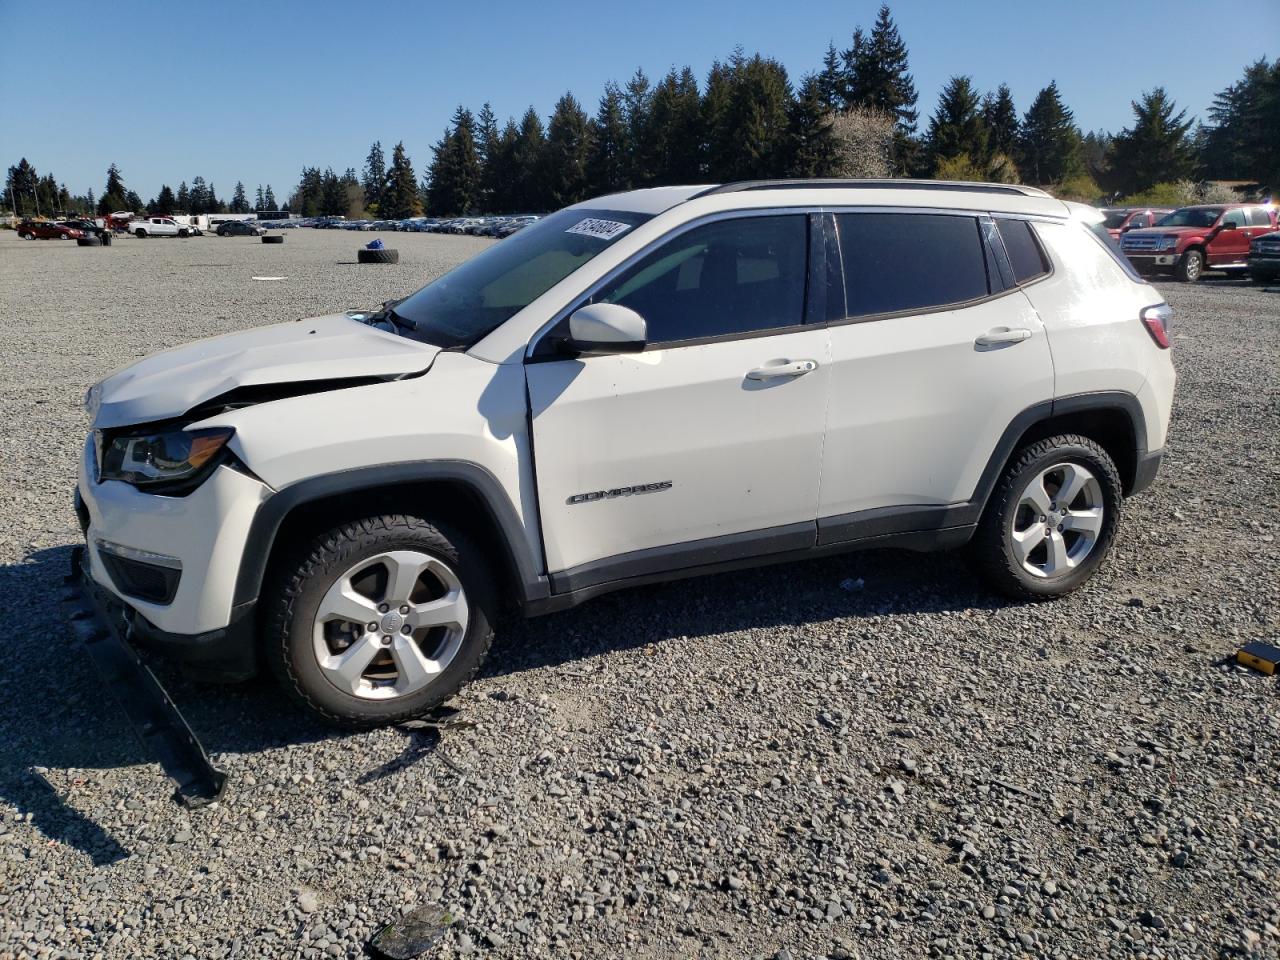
272 512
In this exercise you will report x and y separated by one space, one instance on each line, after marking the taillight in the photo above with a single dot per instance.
1157 320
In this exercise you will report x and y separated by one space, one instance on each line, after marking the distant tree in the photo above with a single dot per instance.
832 82
375 176
1242 139
528 191
877 76
333 198
1048 141
258 201
269 199
1156 149
746 118
164 202
957 128
182 203
637 106
565 156
20 188
239 202
675 129
400 196
499 176
200 196
114 196
811 150
487 136
610 144
454 175
864 142
133 202
1001 119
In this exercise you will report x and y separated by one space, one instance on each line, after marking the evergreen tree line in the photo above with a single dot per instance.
856 116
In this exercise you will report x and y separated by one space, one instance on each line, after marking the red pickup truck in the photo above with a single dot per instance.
1191 240
1123 219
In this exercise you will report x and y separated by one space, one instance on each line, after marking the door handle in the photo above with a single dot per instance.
999 335
790 368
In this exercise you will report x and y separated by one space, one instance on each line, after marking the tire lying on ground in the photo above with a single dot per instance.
89 242
378 256
278 239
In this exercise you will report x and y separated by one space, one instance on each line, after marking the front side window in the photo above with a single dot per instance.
733 276
899 262
1235 217
468 302
1139 220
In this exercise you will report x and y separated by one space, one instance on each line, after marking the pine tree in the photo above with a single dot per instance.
610 140
258 204
957 128
133 202
165 201
1001 119
811 151
487 136
269 199
637 105
528 192
675 129
1243 136
375 175
832 81
878 75
115 196
454 176
500 175
565 156
182 203
400 197
1048 141
20 188
1156 149
333 199
239 202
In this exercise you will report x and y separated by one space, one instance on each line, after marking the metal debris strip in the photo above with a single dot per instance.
270 278
160 726
412 935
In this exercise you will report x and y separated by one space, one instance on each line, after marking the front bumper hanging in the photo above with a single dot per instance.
160 726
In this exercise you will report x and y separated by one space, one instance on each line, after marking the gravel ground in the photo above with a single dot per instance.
761 764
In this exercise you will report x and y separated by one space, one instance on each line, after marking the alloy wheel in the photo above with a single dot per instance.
1058 520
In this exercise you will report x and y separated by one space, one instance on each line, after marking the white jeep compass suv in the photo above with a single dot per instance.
640 387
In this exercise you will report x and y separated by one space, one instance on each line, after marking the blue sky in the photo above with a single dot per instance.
254 89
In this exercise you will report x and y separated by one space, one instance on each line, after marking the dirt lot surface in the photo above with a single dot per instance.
761 764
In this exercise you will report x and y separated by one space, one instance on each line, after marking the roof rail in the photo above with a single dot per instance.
881 184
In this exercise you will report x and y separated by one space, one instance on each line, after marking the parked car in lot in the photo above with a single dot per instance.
1120 220
1197 238
240 228
722 376
48 230
144 227
1264 258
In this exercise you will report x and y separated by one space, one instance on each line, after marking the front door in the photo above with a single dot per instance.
1230 245
704 447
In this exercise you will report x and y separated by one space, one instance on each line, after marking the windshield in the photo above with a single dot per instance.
1192 217
480 295
1114 218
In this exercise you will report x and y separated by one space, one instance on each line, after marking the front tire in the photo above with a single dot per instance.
1190 266
379 620
1051 520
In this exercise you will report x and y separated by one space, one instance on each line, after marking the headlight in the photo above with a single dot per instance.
1168 243
175 459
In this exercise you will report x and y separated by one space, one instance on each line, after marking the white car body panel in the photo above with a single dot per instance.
740 455
916 408
169 384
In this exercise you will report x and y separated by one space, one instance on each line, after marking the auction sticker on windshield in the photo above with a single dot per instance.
600 229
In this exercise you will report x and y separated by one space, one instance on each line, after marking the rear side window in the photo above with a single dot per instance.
897 262
1024 252
1258 217
734 276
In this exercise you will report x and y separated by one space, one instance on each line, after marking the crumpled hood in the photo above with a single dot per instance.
333 348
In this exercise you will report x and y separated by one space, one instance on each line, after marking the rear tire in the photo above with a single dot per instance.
140 234
1190 266
89 242
377 256
348 675
1033 545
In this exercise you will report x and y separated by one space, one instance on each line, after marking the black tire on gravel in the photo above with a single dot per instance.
377 256
1190 266
89 242
992 544
276 239
105 238
309 569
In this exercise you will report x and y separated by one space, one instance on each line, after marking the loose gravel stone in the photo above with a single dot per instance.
761 764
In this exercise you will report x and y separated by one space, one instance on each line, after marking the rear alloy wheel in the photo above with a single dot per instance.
1190 266
380 621
1051 520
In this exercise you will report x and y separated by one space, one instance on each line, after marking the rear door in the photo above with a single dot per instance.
935 352
705 446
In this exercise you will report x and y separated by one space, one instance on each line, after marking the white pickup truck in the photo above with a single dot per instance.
160 227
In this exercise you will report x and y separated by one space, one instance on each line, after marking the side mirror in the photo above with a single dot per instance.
1229 225
606 328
